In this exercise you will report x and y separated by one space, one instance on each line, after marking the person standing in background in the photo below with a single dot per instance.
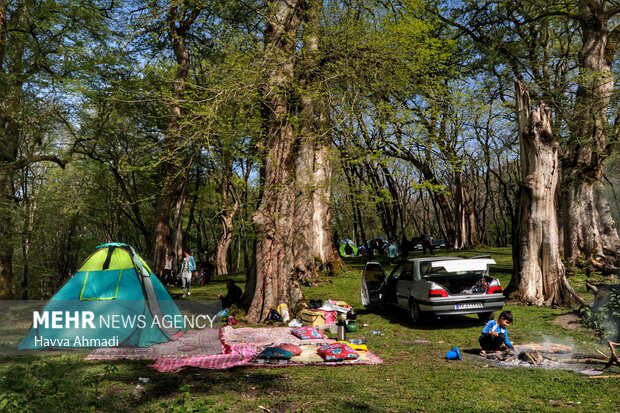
187 269
167 276
404 248
392 252
427 243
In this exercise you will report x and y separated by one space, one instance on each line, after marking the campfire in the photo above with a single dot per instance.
556 356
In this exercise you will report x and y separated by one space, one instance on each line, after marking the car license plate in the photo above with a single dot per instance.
466 306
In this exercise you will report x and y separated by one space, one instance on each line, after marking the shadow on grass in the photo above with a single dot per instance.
43 383
400 317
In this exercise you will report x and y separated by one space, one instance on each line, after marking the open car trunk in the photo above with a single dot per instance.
462 277
469 284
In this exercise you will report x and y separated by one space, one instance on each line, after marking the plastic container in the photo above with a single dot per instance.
454 354
351 326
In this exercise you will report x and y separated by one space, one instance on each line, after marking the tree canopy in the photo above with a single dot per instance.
257 134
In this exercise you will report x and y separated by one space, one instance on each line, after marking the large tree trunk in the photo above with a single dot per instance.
229 211
10 103
225 239
539 276
589 229
314 244
180 17
274 218
314 248
8 153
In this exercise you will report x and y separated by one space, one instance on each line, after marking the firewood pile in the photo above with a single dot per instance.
555 356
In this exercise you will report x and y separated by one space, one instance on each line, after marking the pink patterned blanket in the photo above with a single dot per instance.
233 356
262 337
242 345
193 343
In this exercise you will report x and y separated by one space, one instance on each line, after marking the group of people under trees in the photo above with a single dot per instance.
201 272
407 245
189 273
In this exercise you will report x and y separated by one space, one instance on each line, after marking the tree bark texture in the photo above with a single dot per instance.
180 17
589 230
11 54
274 218
314 246
227 215
539 276
225 239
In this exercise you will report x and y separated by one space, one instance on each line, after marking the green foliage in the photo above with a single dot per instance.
47 385
604 320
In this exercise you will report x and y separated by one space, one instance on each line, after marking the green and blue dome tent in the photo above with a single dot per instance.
113 296
347 248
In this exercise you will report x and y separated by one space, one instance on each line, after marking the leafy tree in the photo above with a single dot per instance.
536 44
41 43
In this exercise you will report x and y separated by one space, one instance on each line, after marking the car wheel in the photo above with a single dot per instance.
416 314
486 316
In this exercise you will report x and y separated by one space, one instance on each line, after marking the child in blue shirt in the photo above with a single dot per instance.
494 335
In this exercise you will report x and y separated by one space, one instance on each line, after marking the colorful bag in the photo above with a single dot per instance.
331 317
308 333
337 352
274 316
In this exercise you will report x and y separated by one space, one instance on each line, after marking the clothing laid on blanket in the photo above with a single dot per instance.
490 342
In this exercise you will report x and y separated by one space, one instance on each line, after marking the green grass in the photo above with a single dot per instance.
414 376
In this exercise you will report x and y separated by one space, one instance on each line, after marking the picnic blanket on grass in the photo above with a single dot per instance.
262 337
309 356
233 356
226 348
193 343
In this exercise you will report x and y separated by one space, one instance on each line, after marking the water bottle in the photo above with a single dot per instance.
342 330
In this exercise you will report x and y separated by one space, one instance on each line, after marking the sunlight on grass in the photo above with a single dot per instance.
414 376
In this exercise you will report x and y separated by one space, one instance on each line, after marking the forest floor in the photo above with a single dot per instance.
415 375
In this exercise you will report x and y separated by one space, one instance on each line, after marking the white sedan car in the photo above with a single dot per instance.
435 286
